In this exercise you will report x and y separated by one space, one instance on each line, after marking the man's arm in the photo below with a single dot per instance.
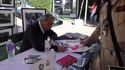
34 39
52 34
96 33
93 36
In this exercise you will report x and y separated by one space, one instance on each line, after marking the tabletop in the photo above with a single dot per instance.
17 62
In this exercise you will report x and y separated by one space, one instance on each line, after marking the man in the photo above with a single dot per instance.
37 33
108 54
93 13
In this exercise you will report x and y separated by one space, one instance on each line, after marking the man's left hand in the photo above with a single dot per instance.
62 48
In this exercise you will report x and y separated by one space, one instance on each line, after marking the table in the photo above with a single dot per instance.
17 62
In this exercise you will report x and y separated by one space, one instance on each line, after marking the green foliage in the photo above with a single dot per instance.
46 4
3 53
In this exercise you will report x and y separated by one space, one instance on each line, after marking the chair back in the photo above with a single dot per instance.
16 37
17 40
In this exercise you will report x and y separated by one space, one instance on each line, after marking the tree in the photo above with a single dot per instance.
45 4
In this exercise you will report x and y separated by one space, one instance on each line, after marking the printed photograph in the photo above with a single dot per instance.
4 34
31 15
6 17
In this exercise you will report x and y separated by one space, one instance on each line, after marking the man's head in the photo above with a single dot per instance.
47 21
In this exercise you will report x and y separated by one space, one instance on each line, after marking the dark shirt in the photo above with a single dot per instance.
34 37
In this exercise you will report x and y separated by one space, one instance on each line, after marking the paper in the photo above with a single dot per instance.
72 45
81 49
43 64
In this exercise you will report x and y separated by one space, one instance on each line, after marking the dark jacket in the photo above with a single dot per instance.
34 37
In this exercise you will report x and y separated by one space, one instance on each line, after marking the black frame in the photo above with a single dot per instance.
7 22
4 38
6 4
34 17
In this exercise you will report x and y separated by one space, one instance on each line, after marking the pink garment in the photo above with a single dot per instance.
93 8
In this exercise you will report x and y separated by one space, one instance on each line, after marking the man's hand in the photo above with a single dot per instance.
62 48
85 41
52 42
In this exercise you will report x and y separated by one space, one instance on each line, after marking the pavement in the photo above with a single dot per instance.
67 27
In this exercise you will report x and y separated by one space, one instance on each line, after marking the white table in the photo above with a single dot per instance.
17 62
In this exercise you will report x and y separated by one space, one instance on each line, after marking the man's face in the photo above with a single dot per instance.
48 24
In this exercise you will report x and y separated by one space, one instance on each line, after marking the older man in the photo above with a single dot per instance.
37 33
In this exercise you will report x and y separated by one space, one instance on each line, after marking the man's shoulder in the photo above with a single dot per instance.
33 25
50 30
